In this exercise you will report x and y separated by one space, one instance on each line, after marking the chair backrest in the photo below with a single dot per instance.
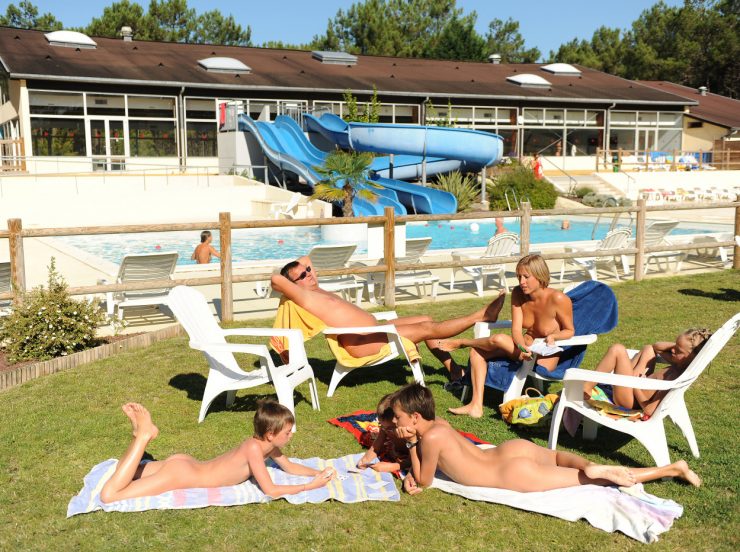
657 230
616 239
192 312
331 256
151 266
415 249
5 281
710 350
292 203
502 244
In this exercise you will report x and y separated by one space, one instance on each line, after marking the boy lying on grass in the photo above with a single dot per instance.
516 465
273 424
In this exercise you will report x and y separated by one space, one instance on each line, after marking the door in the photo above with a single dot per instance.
108 144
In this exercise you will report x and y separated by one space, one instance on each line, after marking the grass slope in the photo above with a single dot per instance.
55 428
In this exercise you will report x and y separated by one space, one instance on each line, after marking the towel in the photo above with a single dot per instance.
290 315
594 312
630 510
367 485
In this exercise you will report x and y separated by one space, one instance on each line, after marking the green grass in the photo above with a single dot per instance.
56 428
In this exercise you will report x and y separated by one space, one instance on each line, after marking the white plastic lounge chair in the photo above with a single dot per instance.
415 249
651 432
616 239
396 349
289 209
5 286
140 268
655 235
192 311
327 257
498 246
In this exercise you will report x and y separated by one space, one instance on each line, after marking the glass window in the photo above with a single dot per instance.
623 118
534 116
554 117
407 114
385 114
199 109
674 120
151 106
669 140
152 139
506 116
595 118
323 107
201 138
510 145
622 139
52 103
57 136
256 107
647 119
582 142
462 113
104 104
575 117
543 141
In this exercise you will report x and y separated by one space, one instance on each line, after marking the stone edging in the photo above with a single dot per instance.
17 376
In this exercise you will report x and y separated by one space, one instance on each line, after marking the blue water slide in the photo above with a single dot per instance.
475 149
420 199
286 152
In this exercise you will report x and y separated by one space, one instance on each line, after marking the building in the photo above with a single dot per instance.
72 103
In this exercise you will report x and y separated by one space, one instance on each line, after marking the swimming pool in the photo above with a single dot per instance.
285 243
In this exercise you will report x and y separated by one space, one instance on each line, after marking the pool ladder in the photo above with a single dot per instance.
515 199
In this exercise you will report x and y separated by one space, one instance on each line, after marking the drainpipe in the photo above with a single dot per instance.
181 124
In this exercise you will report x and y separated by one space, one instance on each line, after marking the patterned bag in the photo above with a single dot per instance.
527 409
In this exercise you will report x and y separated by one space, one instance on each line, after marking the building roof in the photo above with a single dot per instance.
712 108
27 54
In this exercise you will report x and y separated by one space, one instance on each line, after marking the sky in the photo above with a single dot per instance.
545 24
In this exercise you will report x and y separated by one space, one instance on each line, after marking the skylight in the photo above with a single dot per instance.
529 80
561 69
70 39
334 58
224 65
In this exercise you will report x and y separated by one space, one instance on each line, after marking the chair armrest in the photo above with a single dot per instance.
208 347
388 328
483 329
578 374
263 332
577 340
385 315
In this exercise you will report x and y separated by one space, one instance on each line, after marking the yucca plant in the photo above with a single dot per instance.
345 176
464 188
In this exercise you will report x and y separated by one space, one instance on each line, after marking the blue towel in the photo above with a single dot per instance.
594 312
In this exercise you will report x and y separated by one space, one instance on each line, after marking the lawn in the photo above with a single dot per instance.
56 428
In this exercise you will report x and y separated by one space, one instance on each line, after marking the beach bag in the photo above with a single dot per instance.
528 409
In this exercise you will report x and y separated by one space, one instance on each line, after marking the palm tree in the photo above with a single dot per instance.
345 176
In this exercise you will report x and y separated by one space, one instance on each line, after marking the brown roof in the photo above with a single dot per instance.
27 54
713 108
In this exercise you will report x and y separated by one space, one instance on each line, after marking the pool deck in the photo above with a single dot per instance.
79 271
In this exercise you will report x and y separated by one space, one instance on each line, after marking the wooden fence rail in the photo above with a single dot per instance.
16 233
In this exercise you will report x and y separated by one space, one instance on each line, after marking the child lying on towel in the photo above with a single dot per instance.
387 452
273 424
516 465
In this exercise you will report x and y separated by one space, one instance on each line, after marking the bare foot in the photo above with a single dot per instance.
616 474
447 344
141 421
467 410
687 474
491 312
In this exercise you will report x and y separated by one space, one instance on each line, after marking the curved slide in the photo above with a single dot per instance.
285 145
472 148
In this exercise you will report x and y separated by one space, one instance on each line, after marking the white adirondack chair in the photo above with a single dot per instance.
415 249
329 257
5 286
655 234
396 349
500 245
615 239
651 432
191 309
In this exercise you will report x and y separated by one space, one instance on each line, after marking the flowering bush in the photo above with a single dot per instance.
49 323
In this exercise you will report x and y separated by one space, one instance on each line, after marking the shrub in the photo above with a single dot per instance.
464 188
584 190
521 180
49 323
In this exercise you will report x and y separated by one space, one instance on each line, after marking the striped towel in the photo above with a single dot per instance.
367 485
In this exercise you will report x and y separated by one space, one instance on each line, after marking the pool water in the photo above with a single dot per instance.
289 243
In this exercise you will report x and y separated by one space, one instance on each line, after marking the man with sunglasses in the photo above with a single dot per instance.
298 282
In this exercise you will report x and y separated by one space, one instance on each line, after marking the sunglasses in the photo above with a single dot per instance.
302 275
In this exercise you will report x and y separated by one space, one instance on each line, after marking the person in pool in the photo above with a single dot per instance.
537 311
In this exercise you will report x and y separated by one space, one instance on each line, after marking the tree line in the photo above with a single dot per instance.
695 44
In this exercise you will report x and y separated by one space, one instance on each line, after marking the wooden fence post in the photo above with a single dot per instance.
17 259
524 231
640 240
736 249
389 252
227 292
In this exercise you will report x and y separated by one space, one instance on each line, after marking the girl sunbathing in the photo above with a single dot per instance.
537 311
273 424
678 354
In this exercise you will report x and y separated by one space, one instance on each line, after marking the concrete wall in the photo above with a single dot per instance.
696 139
671 180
